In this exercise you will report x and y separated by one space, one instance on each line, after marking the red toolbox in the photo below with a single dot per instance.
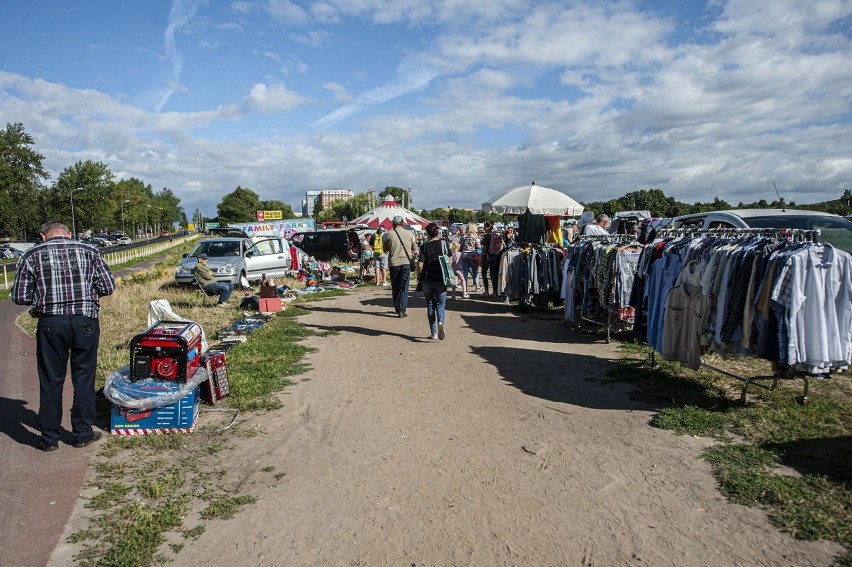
217 386
166 351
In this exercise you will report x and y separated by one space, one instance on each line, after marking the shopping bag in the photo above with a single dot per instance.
447 271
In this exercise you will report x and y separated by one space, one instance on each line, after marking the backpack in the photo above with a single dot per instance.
495 245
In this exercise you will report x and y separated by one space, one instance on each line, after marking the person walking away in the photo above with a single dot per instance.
204 276
400 246
470 243
380 257
366 256
429 273
599 227
492 245
458 269
63 280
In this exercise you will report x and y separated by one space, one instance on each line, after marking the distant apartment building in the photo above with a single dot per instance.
325 197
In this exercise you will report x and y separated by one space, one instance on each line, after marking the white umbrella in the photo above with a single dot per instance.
539 200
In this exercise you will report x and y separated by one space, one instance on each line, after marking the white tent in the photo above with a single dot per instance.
539 200
384 213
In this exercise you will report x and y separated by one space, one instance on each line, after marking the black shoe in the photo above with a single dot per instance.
403 314
96 436
42 446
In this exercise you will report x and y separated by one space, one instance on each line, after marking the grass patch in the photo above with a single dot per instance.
809 507
794 461
226 507
691 420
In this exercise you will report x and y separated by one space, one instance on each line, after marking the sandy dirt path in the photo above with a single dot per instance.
502 445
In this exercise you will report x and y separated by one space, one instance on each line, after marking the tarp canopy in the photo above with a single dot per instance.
535 198
384 213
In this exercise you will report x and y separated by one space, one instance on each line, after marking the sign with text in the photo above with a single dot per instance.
269 215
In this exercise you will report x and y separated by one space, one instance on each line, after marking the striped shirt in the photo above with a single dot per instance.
62 277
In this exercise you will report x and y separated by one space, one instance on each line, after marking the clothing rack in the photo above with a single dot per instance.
792 235
609 324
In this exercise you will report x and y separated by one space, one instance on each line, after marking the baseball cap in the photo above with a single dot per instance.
397 219
380 229
202 256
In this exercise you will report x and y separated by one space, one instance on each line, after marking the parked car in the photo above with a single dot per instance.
124 241
7 252
330 245
835 229
164 233
233 258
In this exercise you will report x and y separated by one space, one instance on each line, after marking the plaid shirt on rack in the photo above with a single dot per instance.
62 277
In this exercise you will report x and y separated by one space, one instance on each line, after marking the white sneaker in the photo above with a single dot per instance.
433 337
441 334
465 296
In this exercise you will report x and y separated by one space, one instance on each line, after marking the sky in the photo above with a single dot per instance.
459 100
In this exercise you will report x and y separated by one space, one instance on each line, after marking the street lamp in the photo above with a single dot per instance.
73 218
122 214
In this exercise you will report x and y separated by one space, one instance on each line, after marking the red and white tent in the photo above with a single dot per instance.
384 213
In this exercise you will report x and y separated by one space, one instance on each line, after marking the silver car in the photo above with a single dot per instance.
233 259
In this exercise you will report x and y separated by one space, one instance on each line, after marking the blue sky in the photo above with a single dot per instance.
457 100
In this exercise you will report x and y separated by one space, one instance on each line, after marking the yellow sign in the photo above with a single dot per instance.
190 227
269 215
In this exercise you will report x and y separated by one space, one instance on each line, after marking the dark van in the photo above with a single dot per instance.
329 245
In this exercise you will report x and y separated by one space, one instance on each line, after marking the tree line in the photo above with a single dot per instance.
85 195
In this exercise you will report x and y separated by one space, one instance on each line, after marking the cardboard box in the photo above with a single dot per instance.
179 417
270 304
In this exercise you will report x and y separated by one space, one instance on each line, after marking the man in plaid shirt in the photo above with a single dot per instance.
63 280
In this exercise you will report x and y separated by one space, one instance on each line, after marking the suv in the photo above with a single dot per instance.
234 258
331 245
836 230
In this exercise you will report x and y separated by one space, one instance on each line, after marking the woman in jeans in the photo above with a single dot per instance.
429 272
470 242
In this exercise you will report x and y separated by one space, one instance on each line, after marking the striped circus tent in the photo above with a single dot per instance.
384 213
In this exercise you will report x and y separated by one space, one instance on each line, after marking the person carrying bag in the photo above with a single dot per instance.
400 245
431 280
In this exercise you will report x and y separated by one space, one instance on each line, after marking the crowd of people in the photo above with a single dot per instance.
472 257
473 254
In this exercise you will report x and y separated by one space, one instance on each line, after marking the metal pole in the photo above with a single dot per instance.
73 218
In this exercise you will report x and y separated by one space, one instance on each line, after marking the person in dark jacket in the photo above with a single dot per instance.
434 288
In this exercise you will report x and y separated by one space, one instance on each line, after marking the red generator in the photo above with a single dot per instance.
217 387
166 351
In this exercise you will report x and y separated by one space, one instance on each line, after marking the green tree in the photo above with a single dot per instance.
90 184
22 183
134 198
276 205
400 195
461 215
241 205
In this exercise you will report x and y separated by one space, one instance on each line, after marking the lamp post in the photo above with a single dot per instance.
73 218
122 214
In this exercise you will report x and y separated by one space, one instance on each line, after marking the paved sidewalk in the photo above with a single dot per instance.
40 489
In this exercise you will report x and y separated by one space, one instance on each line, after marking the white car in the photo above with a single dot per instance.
124 241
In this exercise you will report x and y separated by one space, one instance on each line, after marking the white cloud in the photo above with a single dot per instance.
272 98
596 100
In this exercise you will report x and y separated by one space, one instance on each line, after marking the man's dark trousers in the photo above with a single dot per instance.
400 276
57 337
